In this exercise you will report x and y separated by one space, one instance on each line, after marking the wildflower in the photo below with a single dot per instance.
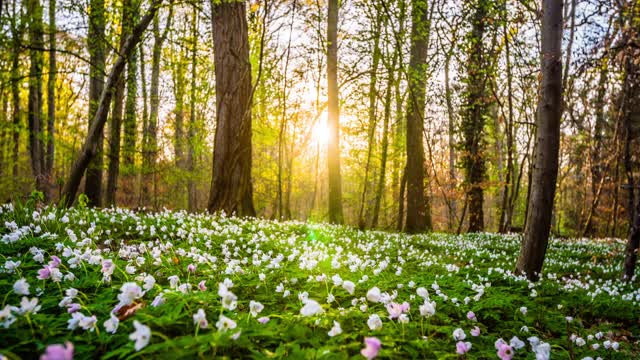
255 308
349 286
337 280
403 319
111 325
149 282
580 341
224 323
463 347
458 334
516 343
141 336
173 281
395 309
374 322
200 319
202 286
21 287
44 273
158 300
523 310
129 292
88 322
335 330
58 352
310 308
73 307
475 331
471 316
29 306
6 317
263 320
372 347
428 308
191 268
373 295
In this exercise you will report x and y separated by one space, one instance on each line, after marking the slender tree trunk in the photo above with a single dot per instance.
473 119
505 216
191 184
451 143
333 145
418 214
231 188
545 171
401 199
96 44
16 42
51 99
145 116
90 147
130 124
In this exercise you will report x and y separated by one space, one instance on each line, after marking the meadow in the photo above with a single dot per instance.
115 283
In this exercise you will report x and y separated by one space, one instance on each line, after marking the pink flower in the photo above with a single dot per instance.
44 273
58 352
55 261
106 266
191 268
463 347
505 352
471 316
475 331
202 286
372 346
395 309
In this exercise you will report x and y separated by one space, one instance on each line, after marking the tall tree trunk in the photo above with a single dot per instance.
130 123
16 44
231 188
150 153
418 214
145 115
333 144
51 99
474 115
95 133
191 184
96 45
453 206
36 126
401 199
373 97
116 118
545 171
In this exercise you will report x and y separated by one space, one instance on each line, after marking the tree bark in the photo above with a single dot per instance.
545 170
191 160
95 133
333 144
96 45
16 43
130 124
51 98
231 188
418 214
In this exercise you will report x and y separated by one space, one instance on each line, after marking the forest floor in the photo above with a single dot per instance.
117 284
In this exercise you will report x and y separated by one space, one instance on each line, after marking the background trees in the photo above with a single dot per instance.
437 107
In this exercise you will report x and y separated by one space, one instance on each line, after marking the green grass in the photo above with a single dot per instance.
580 280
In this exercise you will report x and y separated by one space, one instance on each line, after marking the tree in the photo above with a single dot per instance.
333 122
95 42
545 170
474 114
96 129
418 212
231 188
51 97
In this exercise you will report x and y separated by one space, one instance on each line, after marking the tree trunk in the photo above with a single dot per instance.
231 188
96 45
16 43
36 126
95 133
401 198
51 98
333 144
418 215
451 140
130 125
473 119
545 171
191 184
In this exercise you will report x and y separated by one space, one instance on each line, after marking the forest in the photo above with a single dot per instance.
297 152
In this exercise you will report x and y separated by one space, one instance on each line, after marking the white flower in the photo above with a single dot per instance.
6 317
88 322
373 294
595 346
262 276
310 308
141 336
129 292
224 323
580 341
149 282
543 351
516 343
337 280
173 281
255 308
349 286
428 308
21 287
200 319
523 310
615 345
111 325
72 323
458 334
524 329
330 298
374 322
29 306
403 319
423 293
607 344
335 330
